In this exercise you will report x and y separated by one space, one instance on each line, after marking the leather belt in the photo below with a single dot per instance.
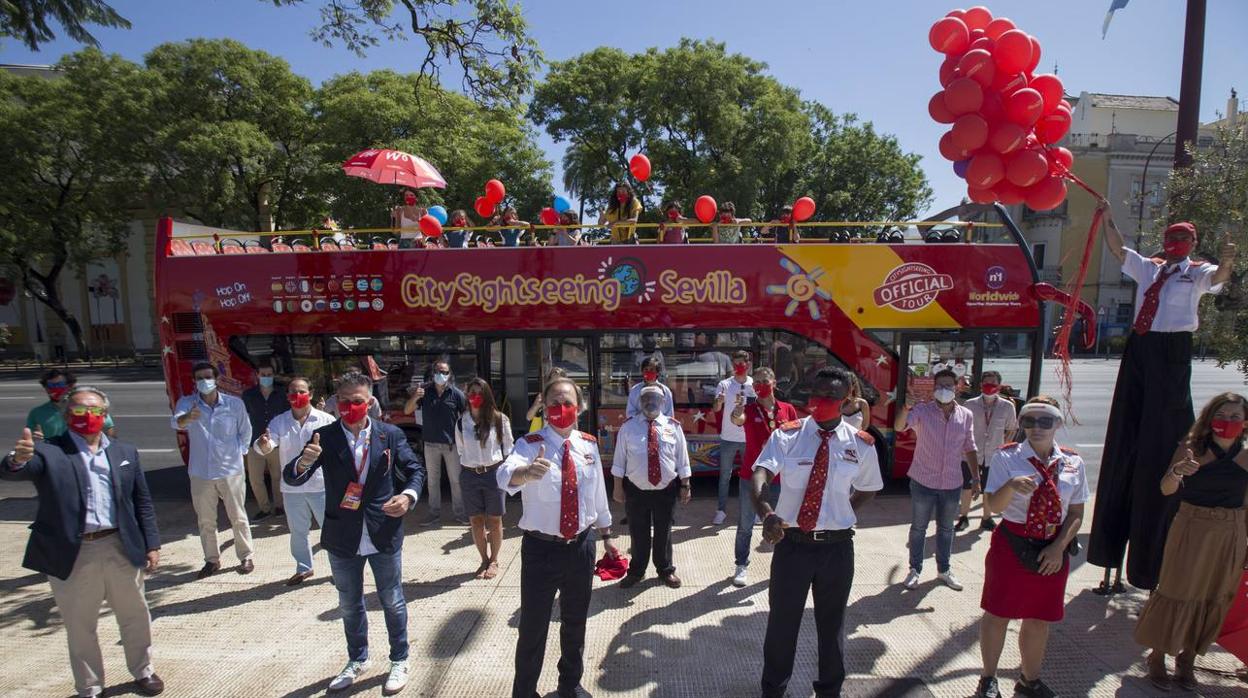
547 538
482 469
833 536
96 535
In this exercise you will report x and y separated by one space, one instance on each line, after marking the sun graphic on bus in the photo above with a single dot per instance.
631 274
802 287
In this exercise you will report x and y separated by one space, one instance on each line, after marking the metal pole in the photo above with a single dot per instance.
1189 89
1139 219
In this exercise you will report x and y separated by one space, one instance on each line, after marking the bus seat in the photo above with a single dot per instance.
232 246
379 245
180 248
203 247
329 246
300 246
254 247
281 247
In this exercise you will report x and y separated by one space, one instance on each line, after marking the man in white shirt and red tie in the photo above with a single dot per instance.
651 470
1152 404
558 473
830 470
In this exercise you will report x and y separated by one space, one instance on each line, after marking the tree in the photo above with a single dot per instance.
68 171
488 45
28 20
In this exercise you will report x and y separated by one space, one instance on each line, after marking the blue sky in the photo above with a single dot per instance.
866 57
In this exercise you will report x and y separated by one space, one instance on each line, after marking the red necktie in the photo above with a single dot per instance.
652 453
808 515
1152 300
1044 513
569 507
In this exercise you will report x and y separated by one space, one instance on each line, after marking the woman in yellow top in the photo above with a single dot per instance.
622 210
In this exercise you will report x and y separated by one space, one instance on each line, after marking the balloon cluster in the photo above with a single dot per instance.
485 206
1005 118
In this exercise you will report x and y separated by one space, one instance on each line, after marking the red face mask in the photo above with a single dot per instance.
725 218
92 423
621 197
650 376
740 369
764 391
353 412
475 400
55 394
824 409
561 416
785 219
458 222
409 199
1178 248
673 215
1227 428
299 400
990 388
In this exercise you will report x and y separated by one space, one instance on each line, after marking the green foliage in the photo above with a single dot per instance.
30 20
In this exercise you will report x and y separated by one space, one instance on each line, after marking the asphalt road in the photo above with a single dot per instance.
141 410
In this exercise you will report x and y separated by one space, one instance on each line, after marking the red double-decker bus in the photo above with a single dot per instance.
892 313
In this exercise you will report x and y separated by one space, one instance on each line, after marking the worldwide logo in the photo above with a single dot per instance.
995 277
911 286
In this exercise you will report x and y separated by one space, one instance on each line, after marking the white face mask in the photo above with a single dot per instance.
943 395
205 386
441 378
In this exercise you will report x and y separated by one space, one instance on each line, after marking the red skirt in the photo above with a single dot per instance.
1013 591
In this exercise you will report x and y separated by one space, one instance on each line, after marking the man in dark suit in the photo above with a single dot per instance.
372 478
94 535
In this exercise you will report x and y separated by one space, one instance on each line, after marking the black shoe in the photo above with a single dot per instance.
261 515
629 580
987 524
574 692
1033 689
988 688
962 524
209 569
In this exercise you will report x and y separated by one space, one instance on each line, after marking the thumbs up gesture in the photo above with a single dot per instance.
194 414
266 442
538 467
24 449
740 401
311 451
1188 466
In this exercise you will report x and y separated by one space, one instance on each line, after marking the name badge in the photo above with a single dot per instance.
351 498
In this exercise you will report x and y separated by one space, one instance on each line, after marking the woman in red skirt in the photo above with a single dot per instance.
1039 488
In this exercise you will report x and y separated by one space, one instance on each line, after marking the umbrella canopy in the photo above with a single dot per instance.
394 167
1234 635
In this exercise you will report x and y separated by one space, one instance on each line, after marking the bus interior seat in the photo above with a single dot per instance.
254 247
299 245
180 248
203 247
328 246
281 247
232 246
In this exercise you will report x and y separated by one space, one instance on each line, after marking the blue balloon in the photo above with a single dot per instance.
959 168
438 212
562 204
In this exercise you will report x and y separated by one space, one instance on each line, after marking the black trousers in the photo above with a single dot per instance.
646 508
1150 413
796 570
547 567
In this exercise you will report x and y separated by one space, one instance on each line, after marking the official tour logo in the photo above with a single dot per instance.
911 286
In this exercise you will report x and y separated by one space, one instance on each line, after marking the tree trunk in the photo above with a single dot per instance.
45 291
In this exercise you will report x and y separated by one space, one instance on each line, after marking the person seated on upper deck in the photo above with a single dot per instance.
784 234
458 238
622 211
672 228
406 218
566 237
511 236
727 234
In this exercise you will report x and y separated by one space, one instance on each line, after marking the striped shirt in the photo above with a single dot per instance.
942 444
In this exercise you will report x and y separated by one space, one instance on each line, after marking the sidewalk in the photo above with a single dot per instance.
234 635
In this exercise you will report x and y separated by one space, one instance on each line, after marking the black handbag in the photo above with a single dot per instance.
1028 550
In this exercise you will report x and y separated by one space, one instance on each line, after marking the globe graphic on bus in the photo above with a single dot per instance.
629 278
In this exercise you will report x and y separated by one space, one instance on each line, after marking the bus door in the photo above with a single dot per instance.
924 355
517 367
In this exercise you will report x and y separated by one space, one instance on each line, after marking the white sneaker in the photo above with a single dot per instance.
348 675
950 580
720 517
738 579
397 680
912 580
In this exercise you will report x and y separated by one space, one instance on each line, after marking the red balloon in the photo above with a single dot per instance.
977 18
1060 159
1009 194
1047 194
1069 107
949 71
950 151
949 35
977 65
997 27
803 209
956 13
1051 127
639 166
1026 167
550 216
976 35
704 208
1050 88
1035 55
1006 84
1006 137
938 111
964 96
970 132
993 110
981 196
983 42
494 192
1013 51
430 226
1024 107
484 207
985 170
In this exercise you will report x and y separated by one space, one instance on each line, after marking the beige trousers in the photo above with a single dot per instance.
257 466
204 496
102 573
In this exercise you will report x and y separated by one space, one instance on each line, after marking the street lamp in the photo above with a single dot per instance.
1139 219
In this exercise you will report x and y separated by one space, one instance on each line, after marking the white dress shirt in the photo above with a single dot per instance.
1010 462
634 400
852 466
357 445
543 499
1180 295
218 439
729 389
992 420
99 481
471 453
290 437
632 459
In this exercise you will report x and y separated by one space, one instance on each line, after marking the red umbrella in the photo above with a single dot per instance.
1234 635
394 167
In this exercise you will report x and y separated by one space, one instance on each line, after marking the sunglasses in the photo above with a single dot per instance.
53 386
83 410
1041 422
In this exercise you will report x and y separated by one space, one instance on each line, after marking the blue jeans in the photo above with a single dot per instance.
747 519
728 452
926 504
349 580
301 508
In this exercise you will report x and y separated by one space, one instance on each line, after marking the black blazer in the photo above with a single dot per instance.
56 534
392 468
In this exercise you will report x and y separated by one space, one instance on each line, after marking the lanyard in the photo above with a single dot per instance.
988 413
359 467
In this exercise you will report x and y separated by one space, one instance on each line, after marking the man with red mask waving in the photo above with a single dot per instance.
830 470
372 479
94 536
1152 405
287 433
